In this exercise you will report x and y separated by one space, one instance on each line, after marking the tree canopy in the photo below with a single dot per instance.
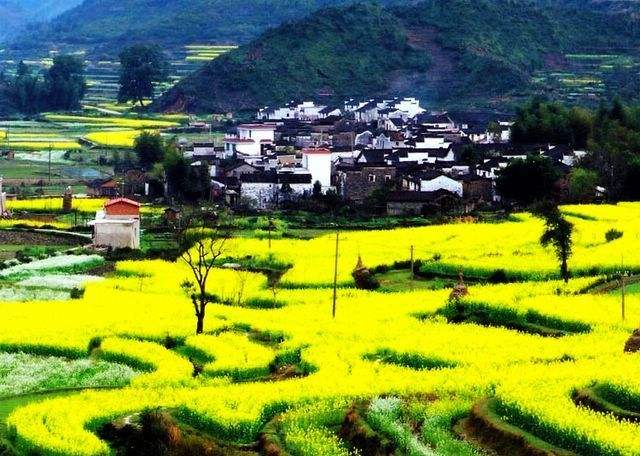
60 88
528 181
141 66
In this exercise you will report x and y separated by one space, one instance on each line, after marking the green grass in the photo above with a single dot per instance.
633 288
400 281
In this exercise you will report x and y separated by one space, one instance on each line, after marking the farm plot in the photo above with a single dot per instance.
581 78
470 248
535 364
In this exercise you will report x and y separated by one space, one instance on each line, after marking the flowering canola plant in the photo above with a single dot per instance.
133 314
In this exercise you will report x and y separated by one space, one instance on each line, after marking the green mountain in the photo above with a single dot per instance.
445 51
17 14
108 25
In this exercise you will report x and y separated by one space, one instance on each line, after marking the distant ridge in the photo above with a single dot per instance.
453 51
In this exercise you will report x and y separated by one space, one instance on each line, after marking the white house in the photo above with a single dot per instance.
430 142
280 113
409 106
266 189
438 123
352 105
491 168
364 139
431 182
249 139
329 111
505 131
118 225
318 162
203 149
3 201
308 110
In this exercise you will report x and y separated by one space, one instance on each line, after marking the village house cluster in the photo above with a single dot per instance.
421 159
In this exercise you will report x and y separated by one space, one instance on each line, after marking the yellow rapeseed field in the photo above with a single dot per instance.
117 138
379 344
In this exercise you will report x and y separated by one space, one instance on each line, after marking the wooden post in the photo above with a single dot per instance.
335 276
413 275
50 146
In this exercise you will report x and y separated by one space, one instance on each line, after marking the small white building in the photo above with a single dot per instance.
3 201
249 139
267 189
409 106
432 184
432 181
118 225
277 113
318 162
307 110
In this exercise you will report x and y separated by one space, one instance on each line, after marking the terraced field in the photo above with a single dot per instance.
584 78
59 150
523 367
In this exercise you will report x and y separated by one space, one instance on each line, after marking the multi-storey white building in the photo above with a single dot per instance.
249 139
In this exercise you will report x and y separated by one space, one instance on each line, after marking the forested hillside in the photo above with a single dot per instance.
16 14
439 50
111 24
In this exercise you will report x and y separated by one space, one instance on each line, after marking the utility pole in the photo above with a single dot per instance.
413 274
270 228
335 275
50 164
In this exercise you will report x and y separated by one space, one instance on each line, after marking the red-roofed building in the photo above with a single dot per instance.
122 207
118 225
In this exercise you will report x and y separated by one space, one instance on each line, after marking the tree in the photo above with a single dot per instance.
631 189
25 91
150 149
200 246
543 122
469 155
65 83
317 190
528 181
582 185
140 67
176 170
558 233
61 87
495 130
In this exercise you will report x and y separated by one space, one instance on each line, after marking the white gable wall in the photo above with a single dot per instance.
441 183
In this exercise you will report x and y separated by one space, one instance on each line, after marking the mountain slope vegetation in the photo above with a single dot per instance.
16 14
439 50
108 25
336 52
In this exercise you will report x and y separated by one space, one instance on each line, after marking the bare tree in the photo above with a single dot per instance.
200 246
243 277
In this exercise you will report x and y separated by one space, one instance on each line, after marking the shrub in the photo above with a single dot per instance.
77 293
410 360
498 276
94 344
264 303
363 277
612 235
